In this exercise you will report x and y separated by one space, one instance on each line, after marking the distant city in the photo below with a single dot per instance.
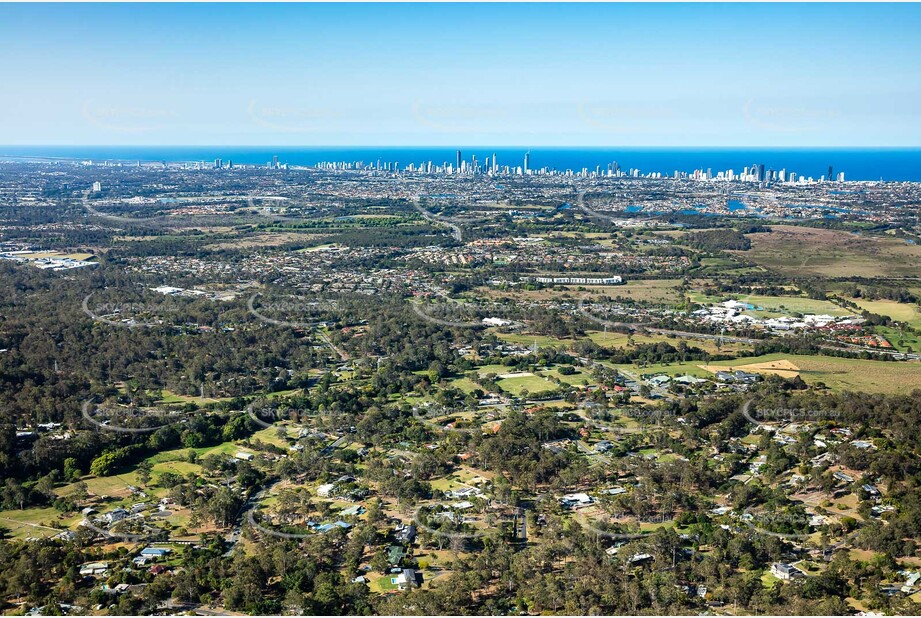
489 165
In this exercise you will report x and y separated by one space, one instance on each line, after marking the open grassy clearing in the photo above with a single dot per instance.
718 265
613 339
177 467
838 374
270 435
656 291
832 253
783 368
900 312
36 522
115 485
621 340
576 379
543 341
531 383
846 374
465 384
57 255
264 239
496 369
169 397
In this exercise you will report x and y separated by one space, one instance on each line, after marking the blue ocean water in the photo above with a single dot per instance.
857 163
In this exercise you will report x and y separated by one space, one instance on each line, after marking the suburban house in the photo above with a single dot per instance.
785 571
94 568
409 578
155 552
116 515
395 554
575 501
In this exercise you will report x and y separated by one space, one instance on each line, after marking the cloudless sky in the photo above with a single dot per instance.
461 74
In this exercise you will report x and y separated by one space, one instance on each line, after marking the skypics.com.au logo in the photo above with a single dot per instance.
132 309
772 417
130 419
293 311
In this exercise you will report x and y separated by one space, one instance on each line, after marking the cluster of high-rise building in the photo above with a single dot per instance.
757 173
489 166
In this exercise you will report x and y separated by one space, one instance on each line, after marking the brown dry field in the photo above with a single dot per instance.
268 239
782 368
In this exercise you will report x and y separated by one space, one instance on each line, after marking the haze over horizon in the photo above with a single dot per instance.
550 75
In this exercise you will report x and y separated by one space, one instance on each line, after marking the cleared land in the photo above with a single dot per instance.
613 339
656 291
35 522
900 312
647 290
832 253
844 374
838 374
82 257
783 368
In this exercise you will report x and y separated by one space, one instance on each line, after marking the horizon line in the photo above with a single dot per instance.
439 146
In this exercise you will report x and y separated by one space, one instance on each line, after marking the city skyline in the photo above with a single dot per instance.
462 75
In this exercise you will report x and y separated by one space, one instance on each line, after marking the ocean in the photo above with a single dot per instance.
891 164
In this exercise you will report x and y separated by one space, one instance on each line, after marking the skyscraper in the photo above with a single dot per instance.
527 161
458 160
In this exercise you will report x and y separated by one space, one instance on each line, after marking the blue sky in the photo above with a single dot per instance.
461 74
